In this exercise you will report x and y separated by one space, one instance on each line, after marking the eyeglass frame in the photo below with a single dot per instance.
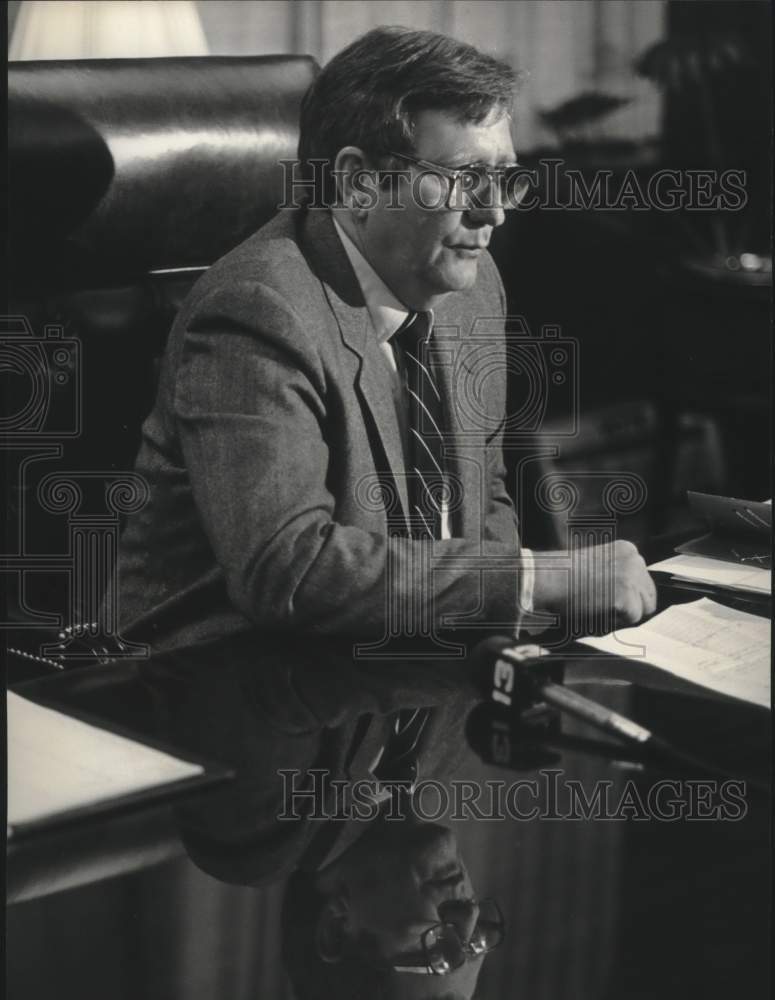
453 175
466 950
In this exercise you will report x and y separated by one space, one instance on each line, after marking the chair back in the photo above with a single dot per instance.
127 179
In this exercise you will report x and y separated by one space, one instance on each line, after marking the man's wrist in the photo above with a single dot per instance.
526 581
550 580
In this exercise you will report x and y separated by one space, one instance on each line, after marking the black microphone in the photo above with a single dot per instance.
498 738
519 683
513 725
524 678
510 674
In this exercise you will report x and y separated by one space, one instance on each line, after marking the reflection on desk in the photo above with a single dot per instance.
631 906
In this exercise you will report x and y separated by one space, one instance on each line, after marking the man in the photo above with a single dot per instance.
318 458
367 880
370 924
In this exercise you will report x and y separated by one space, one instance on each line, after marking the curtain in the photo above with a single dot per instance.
562 47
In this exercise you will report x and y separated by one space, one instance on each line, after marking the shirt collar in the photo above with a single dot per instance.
386 312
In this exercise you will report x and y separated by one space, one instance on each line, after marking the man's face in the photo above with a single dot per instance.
398 881
424 252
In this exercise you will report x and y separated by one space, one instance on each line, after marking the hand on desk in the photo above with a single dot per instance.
599 579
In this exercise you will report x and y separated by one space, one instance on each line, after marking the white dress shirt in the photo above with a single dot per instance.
387 314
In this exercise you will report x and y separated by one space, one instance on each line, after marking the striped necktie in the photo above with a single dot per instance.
400 761
426 423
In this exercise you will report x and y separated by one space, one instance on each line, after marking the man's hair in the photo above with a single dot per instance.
369 93
359 974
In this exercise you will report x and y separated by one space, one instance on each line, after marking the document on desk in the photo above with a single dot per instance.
700 569
58 765
720 648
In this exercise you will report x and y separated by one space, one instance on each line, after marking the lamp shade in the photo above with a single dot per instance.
94 29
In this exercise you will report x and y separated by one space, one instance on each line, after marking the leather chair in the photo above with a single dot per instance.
128 178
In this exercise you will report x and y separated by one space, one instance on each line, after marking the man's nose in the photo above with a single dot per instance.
491 215
463 913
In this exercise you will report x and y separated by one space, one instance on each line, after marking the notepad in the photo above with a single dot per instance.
59 765
716 572
706 643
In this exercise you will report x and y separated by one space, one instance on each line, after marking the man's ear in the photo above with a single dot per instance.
353 187
331 931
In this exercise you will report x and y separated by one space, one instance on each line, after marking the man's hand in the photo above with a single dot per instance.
602 579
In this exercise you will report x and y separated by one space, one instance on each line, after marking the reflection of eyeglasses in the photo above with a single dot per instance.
472 185
443 949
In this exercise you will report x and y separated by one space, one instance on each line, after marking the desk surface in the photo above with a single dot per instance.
625 907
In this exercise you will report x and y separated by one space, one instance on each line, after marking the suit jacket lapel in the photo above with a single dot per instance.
329 262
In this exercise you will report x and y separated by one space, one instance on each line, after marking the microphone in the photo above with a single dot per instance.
521 677
524 680
522 702
497 738
512 726
510 674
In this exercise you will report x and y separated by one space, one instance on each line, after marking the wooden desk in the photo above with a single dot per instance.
618 909
105 845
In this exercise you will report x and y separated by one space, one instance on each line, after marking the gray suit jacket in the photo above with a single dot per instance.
289 704
274 459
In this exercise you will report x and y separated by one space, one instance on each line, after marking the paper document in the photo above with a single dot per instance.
722 649
716 572
57 763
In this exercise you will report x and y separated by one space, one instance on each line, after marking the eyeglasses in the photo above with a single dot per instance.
443 949
473 185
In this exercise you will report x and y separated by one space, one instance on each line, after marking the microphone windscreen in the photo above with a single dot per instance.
498 737
504 670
